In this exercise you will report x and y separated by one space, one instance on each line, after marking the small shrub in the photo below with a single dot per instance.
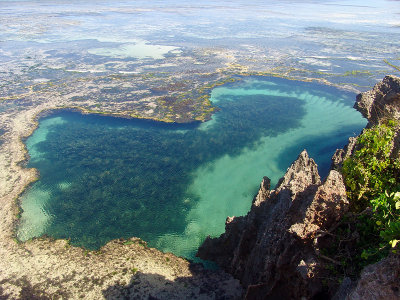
130 242
372 179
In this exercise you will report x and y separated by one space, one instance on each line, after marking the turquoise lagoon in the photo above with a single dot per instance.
103 178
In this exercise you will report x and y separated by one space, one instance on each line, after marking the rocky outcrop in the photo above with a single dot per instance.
383 101
273 250
382 279
341 154
380 103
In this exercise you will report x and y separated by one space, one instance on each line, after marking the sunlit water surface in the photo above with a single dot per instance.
103 178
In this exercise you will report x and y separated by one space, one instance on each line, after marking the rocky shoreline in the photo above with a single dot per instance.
275 249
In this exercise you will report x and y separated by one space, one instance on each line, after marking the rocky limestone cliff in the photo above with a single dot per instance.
382 279
275 249
383 101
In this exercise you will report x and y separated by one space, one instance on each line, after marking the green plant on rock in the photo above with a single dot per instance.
129 242
372 179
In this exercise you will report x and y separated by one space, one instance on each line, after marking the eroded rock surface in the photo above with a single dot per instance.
379 281
122 269
383 101
273 250
341 154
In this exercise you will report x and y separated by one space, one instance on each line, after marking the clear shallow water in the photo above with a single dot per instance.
172 185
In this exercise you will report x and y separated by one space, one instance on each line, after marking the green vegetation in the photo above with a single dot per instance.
392 65
142 243
357 73
371 228
130 242
138 242
372 178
